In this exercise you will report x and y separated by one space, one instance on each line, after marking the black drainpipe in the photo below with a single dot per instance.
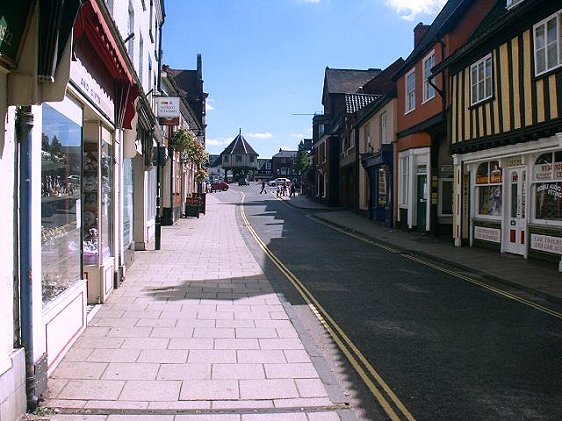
35 374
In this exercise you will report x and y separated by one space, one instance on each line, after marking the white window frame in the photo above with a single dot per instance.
512 3
404 181
384 127
481 77
410 91
428 64
556 44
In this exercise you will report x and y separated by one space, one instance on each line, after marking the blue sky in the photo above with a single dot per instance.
264 60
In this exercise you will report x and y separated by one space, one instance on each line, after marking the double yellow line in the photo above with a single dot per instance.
390 403
451 272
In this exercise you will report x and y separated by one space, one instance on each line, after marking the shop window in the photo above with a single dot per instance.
489 189
61 159
404 180
547 187
382 188
446 196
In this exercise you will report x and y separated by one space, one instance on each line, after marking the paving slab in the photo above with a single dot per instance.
196 332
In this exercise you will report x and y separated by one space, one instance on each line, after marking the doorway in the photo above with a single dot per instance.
421 205
516 217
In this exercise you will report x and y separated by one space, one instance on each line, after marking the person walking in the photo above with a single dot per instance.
263 188
293 190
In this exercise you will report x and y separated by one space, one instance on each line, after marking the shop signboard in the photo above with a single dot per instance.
13 23
168 110
546 243
487 234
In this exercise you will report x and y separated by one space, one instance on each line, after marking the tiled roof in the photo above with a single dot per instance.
354 102
347 80
285 154
239 146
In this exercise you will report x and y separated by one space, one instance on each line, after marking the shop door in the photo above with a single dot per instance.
516 238
421 206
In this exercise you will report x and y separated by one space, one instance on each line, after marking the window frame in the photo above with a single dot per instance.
384 127
428 90
475 66
410 91
404 181
535 181
490 181
558 43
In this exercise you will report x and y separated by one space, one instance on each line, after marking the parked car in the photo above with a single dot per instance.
219 186
278 181
243 181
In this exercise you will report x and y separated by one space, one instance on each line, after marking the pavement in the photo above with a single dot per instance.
538 279
197 332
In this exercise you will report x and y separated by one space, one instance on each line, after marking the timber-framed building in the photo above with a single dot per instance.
505 129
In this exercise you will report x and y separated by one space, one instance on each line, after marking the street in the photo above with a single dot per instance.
447 349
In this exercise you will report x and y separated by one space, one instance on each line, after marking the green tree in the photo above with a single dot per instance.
302 164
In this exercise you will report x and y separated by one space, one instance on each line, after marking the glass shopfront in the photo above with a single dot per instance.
489 189
61 161
127 203
547 188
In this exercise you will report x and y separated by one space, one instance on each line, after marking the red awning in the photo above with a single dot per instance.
91 23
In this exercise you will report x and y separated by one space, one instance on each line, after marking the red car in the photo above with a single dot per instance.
219 186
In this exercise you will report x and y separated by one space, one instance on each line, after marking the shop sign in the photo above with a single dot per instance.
167 107
91 88
557 170
514 161
546 243
552 189
543 172
13 21
487 234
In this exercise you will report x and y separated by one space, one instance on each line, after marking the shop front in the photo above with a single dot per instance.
516 198
379 169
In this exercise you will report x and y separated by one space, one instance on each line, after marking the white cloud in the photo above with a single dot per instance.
209 104
409 9
297 135
288 148
217 142
265 135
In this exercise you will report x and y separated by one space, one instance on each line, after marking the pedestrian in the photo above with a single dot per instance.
263 188
293 190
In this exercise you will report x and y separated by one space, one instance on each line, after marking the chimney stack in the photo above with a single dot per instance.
419 31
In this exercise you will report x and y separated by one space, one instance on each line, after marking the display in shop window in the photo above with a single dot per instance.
60 202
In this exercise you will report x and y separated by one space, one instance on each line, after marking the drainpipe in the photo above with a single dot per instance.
24 125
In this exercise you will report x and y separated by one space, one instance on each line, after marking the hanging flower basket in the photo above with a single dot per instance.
189 147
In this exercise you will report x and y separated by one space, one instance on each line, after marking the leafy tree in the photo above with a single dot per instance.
302 164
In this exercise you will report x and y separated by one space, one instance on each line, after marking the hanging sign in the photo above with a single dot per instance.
13 22
168 110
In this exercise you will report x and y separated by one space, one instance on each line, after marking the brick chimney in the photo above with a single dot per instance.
419 32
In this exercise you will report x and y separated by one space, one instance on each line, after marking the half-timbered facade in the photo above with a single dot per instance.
506 130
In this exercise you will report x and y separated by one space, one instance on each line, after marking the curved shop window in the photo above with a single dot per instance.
547 188
61 160
489 189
